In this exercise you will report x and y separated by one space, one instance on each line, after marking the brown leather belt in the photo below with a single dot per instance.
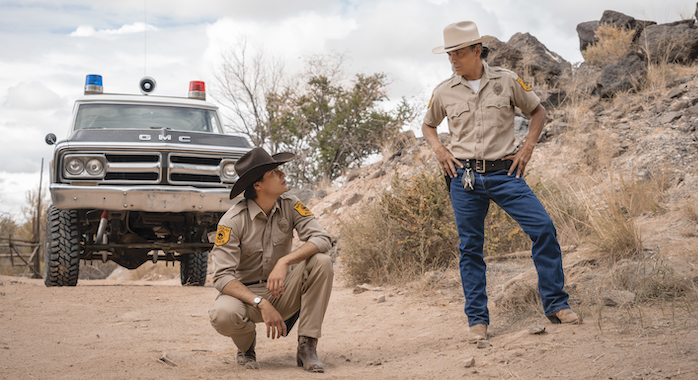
483 166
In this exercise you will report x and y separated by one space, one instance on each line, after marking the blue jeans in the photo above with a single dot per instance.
515 197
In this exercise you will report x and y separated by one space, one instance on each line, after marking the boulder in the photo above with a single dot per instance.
587 34
587 30
544 64
676 42
617 19
623 21
504 55
622 76
525 55
551 98
587 76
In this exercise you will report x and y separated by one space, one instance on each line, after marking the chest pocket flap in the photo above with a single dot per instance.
497 102
456 110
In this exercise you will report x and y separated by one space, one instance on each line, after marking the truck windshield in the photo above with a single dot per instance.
132 116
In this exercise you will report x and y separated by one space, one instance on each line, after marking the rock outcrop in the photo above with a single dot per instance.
651 43
527 56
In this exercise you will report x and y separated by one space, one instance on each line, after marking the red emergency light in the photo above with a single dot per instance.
197 90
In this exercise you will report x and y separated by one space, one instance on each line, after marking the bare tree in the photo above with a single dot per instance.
330 120
245 79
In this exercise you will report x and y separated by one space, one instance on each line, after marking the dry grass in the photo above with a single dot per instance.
690 210
659 76
563 203
408 232
612 45
653 280
604 215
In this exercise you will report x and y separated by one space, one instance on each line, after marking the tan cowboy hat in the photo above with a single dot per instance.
251 166
460 34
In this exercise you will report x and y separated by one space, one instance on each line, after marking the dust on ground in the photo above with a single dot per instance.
116 329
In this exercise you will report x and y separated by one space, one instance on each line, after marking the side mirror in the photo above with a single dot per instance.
50 139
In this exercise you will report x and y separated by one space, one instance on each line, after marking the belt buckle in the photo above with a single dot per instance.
480 166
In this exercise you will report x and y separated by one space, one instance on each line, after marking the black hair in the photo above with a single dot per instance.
250 192
485 50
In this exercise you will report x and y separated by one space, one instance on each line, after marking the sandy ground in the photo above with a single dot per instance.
105 329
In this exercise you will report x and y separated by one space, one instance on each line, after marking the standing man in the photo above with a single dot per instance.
252 255
479 101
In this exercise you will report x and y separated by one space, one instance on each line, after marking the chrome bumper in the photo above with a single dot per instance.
141 198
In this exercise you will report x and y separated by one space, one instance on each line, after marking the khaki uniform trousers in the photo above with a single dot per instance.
308 287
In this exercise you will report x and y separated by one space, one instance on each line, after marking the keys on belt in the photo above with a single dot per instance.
480 166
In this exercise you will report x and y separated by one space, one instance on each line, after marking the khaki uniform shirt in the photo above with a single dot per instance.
248 243
482 124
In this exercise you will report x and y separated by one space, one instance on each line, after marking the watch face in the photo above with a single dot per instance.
257 300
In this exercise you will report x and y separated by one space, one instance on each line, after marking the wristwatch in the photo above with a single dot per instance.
256 301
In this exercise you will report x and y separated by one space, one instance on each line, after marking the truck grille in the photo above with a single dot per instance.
194 169
197 170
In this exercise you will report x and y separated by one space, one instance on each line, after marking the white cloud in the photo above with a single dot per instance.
49 47
33 95
89 31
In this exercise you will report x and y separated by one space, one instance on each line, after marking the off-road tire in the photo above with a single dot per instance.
192 269
62 257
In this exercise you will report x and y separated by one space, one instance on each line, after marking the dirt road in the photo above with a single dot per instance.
160 330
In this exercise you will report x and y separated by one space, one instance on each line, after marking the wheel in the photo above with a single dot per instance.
192 269
62 258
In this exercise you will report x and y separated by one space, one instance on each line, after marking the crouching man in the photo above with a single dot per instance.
252 255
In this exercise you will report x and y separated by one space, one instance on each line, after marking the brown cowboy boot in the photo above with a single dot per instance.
565 316
307 355
477 333
249 357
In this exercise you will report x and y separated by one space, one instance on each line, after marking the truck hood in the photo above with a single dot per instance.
154 136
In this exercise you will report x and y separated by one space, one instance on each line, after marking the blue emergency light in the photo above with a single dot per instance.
93 84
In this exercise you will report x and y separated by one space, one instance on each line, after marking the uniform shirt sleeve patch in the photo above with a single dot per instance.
523 85
222 235
430 99
300 207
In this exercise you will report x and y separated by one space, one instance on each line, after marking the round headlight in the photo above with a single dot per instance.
229 171
94 167
74 166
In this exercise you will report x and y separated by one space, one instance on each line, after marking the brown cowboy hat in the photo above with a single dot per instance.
459 35
251 166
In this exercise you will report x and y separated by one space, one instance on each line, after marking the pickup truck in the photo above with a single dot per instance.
139 178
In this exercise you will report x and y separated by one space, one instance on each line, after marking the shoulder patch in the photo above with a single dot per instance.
222 235
300 207
523 85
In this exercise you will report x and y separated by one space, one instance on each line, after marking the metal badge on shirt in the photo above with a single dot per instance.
498 88
284 225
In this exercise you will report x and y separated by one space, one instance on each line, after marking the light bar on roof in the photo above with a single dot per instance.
93 84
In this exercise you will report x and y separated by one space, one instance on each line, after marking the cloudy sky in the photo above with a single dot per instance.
47 48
